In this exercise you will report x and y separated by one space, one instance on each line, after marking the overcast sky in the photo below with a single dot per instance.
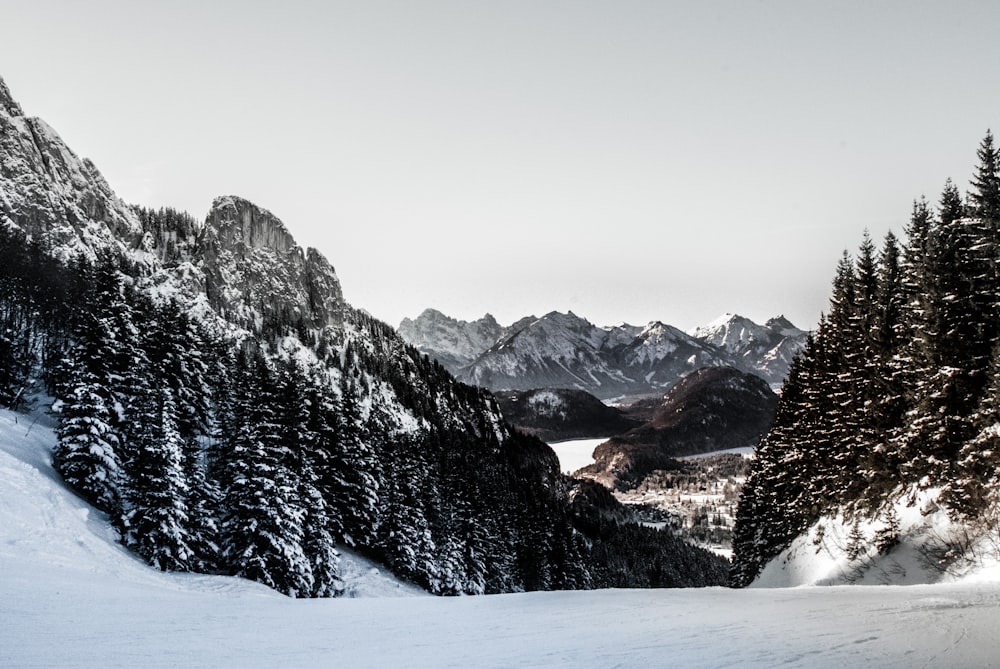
628 161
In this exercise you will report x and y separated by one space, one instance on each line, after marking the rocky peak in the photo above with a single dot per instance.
255 272
783 326
454 343
52 194
241 226
733 333
8 105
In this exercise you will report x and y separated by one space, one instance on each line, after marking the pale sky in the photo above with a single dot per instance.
626 160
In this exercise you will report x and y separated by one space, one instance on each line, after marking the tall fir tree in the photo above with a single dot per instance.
262 526
155 518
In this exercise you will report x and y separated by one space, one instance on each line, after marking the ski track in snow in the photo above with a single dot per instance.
71 597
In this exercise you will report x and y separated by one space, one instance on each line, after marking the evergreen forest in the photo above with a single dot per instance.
898 389
258 452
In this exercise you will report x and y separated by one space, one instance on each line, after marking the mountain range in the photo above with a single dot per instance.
564 350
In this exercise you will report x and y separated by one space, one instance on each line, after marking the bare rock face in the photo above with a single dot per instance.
454 343
255 273
54 196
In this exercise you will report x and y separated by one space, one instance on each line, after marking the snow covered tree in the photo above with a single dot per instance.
155 518
353 478
86 454
404 532
985 193
262 526
304 460
905 377
89 453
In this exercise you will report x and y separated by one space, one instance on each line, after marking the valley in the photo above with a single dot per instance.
697 501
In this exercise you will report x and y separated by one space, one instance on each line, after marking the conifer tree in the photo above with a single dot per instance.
262 527
156 516
356 470
912 373
89 453
303 463
985 193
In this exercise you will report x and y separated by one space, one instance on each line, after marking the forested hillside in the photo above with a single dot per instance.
231 413
898 390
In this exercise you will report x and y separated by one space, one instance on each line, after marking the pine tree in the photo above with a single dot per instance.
985 193
973 487
403 534
856 541
86 454
355 472
156 514
910 370
89 453
304 462
262 527
947 380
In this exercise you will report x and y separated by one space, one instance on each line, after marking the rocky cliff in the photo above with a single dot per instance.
255 272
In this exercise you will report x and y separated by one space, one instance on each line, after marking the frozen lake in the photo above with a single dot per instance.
575 453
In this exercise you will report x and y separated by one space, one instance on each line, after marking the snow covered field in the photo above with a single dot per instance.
71 597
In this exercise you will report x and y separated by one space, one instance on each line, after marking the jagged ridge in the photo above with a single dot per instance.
567 351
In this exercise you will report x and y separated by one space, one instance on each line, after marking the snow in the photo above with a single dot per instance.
820 556
575 453
71 597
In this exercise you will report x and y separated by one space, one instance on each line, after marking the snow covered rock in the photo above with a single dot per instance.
54 196
452 342
765 350
567 351
255 271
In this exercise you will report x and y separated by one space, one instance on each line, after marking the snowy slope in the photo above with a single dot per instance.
71 597
931 548
44 525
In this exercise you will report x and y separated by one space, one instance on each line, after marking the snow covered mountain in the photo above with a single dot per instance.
765 350
231 413
567 351
451 342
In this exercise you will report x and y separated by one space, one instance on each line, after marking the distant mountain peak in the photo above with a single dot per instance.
783 326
